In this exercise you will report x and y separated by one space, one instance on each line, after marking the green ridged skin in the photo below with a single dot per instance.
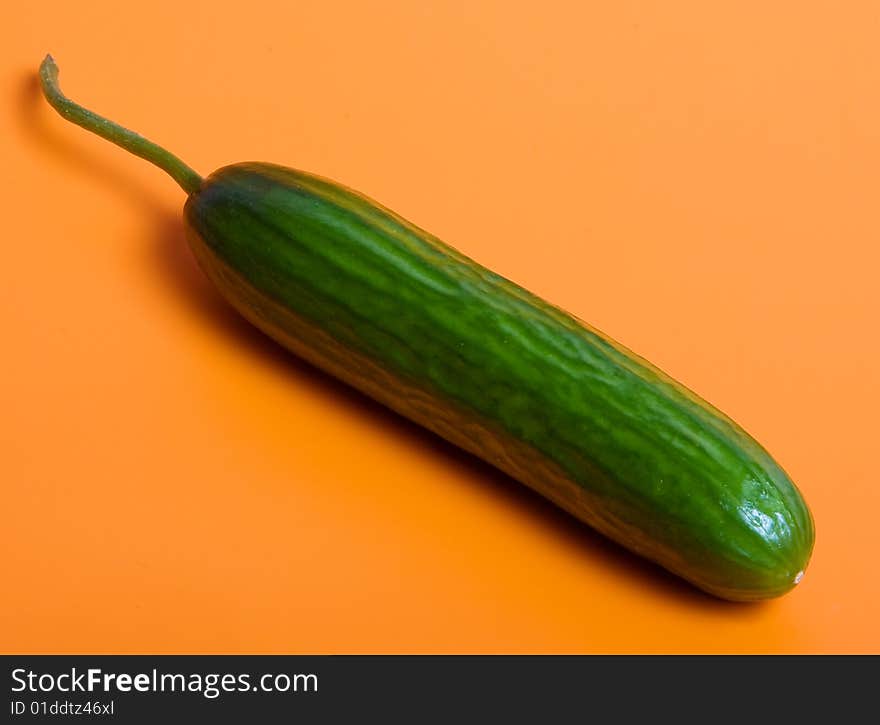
368 297
372 299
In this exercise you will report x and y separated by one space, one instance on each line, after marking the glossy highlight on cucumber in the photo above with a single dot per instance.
370 298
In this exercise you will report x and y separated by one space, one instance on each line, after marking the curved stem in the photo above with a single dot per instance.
133 142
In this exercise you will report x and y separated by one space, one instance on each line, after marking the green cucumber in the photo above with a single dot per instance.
372 299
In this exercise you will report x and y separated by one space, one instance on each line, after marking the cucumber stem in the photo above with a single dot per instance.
133 142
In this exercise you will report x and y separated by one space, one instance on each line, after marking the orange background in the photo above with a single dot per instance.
699 180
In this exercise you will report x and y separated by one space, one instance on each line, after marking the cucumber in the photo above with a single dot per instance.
361 293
